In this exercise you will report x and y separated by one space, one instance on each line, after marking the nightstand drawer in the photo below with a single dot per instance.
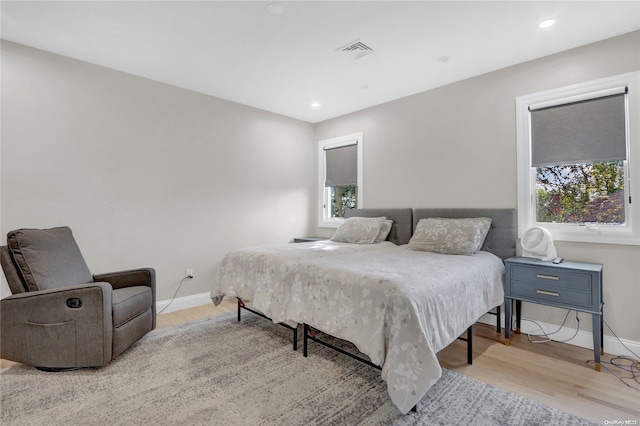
552 276
555 295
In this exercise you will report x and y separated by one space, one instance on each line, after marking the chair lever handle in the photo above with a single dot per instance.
74 302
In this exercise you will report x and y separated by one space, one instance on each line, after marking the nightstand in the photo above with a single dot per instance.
308 239
568 285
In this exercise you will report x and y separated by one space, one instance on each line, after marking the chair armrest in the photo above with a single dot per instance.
132 277
120 279
50 328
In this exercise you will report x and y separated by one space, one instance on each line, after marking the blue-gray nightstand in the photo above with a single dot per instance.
568 285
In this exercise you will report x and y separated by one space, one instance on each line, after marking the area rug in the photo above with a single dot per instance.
223 372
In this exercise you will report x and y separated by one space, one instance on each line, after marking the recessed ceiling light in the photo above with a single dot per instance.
546 24
443 58
315 105
274 9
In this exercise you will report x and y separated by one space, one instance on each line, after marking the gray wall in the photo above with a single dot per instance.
149 174
144 173
455 146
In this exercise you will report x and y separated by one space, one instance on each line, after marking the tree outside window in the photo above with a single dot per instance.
342 198
581 193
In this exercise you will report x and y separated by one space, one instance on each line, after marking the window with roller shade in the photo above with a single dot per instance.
340 177
578 151
577 154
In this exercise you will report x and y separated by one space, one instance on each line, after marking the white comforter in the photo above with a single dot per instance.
257 273
396 305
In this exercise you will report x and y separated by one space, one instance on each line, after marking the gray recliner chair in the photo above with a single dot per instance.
59 315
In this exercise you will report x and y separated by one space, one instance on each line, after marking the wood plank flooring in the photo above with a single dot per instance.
554 374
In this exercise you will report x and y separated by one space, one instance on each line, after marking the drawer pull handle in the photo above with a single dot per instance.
548 293
547 277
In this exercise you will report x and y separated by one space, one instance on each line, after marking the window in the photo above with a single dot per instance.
340 178
578 154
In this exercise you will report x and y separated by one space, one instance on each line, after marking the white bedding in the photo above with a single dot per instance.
250 273
398 306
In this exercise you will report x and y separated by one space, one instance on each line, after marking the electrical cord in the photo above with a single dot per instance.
621 362
616 336
633 366
546 335
174 295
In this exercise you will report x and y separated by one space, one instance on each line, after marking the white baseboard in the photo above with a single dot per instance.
185 302
583 339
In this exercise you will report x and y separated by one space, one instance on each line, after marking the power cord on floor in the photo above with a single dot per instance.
621 362
624 363
174 294
546 335
631 366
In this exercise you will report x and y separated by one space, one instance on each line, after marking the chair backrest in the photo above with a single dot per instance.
44 259
10 271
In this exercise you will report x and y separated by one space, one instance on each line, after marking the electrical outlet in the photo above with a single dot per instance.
189 273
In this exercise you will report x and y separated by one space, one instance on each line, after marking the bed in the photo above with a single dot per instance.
398 306
256 274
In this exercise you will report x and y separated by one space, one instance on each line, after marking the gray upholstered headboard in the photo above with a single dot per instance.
501 239
402 222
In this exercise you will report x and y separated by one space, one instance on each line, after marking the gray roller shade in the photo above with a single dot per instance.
341 166
579 132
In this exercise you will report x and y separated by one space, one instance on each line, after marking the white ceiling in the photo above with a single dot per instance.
283 63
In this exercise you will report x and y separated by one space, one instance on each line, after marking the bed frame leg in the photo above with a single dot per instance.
498 320
241 306
470 345
295 339
305 339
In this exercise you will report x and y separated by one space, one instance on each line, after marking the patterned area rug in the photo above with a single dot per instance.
221 372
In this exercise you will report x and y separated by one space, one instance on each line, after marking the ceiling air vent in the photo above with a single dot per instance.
356 49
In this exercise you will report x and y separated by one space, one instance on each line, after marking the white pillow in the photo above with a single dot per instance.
359 230
384 231
450 236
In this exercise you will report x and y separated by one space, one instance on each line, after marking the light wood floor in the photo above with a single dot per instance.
554 374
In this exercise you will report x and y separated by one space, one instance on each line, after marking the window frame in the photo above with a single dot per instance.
324 207
629 233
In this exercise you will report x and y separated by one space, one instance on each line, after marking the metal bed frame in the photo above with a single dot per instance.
241 306
310 334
